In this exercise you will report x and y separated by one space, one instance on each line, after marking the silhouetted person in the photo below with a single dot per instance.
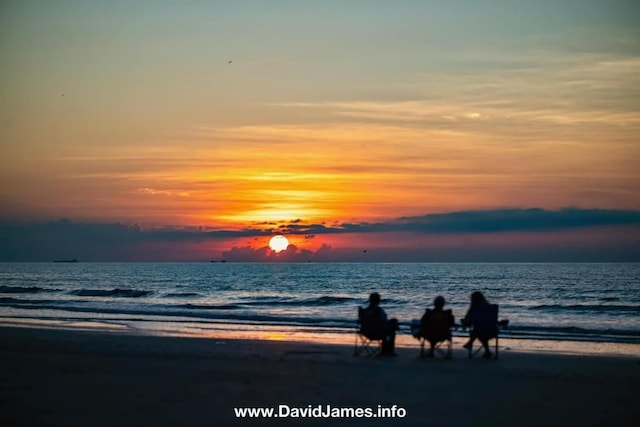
436 324
479 304
375 325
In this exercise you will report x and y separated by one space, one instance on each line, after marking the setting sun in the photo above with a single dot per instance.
278 243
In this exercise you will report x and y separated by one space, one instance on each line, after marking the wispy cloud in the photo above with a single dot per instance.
402 110
156 192
552 89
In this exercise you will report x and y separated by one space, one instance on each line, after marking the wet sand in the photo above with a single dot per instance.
74 378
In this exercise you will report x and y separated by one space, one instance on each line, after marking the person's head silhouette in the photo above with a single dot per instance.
374 299
477 298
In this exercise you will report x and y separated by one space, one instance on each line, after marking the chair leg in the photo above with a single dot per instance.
359 345
365 345
371 350
449 354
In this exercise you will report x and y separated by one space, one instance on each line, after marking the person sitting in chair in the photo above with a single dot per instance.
375 325
436 324
481 330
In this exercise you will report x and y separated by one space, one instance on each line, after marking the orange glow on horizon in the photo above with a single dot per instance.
538 114
344 172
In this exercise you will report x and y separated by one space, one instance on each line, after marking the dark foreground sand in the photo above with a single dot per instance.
71 378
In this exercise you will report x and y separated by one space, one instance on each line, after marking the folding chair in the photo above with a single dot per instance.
437 329
485 326
366 341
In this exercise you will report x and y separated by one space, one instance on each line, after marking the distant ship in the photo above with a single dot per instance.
66 260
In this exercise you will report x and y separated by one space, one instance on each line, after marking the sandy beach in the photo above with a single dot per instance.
77 378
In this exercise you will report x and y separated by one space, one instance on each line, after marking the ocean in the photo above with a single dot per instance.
555 301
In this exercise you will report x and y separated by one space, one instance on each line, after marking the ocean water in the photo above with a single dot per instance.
574 301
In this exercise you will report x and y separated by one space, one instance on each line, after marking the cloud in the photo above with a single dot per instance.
491 221
531 89
170 193
25 241
264 254
510 220
325 253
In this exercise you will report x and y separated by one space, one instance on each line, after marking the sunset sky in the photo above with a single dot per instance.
362 130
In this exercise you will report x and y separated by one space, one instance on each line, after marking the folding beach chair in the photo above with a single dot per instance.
436 329
368 339
485 326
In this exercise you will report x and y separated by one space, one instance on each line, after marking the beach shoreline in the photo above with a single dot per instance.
73 377
310 335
